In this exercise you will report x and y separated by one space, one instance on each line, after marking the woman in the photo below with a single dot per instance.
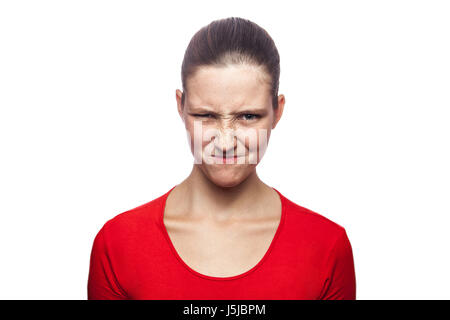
222 233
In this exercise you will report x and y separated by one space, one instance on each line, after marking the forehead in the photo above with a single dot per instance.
229 87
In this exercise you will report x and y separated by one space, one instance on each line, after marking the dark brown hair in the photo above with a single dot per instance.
232 41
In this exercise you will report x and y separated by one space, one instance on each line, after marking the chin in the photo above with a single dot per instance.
227 177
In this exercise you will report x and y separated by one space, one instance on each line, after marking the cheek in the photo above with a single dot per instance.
195 131
254 141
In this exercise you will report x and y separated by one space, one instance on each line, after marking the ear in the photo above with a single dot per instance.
278 111
178 95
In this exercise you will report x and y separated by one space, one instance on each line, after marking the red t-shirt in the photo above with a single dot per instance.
310 257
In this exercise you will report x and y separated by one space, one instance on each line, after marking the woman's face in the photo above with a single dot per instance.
228 116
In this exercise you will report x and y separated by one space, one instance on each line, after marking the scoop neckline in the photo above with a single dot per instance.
214 278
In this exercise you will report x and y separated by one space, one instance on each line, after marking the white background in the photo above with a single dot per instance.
89 129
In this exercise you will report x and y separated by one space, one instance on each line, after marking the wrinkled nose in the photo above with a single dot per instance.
225 142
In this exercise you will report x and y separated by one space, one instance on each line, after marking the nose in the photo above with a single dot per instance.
225 142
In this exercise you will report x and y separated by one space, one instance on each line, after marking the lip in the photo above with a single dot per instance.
227 159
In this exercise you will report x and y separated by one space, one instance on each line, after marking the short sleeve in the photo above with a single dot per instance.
102 282
339 272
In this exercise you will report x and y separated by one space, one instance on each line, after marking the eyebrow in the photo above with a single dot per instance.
244 110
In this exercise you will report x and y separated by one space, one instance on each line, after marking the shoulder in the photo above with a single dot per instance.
135 220
308 225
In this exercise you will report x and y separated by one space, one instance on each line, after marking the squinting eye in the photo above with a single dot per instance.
250 116
206 115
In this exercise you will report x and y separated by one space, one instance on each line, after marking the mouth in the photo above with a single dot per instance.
224 159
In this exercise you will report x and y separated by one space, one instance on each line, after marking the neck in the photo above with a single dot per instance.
202 197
